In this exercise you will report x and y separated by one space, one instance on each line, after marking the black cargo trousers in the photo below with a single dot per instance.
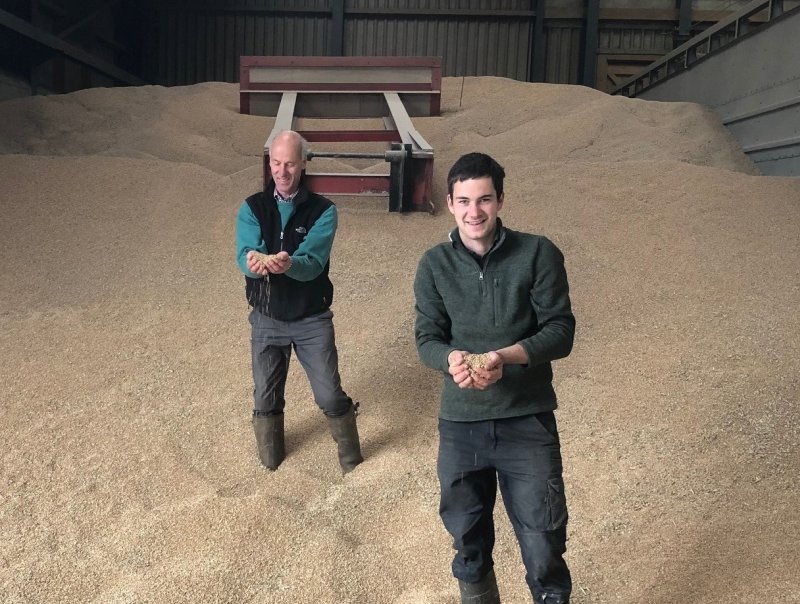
523 456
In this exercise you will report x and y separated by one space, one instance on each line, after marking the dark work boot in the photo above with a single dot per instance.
269 438
483 592
554 599
345 433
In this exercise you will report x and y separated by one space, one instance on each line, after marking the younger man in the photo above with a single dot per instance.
502 294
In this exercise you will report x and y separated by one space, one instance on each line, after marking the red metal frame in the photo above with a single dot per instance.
349 184
347 136
334 86
434 85
400 80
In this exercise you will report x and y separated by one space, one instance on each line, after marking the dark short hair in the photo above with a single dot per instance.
476 165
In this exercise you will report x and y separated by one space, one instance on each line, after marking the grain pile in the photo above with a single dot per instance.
129 469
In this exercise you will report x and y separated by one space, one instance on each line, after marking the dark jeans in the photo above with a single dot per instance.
523 455
314 343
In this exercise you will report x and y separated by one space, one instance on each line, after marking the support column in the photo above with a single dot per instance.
684 23
336 32
538 47
590 40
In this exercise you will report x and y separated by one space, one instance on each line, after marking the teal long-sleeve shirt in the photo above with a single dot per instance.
310 258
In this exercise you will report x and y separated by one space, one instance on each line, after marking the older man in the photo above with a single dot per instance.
284 237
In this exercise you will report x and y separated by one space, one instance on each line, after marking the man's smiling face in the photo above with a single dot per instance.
475 205
287 163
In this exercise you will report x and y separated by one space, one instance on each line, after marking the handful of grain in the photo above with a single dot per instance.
263 258
476 361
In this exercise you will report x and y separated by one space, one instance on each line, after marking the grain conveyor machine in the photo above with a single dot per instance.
392 88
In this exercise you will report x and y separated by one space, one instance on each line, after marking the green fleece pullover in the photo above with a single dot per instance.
517 293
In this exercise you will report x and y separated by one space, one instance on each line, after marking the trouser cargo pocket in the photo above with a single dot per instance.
556 503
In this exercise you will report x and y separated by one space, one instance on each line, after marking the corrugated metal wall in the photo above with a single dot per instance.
625 48
467 46
473 37
204 44
173 42
627 38
202 41
562 51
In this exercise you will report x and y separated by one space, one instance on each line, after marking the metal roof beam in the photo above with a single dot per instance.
78 55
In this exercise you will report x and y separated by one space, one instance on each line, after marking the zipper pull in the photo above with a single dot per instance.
281 241
480 275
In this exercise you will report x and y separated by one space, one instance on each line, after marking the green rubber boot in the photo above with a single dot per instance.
345 432
269 438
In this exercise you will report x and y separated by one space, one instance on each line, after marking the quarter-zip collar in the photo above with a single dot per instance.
499 238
